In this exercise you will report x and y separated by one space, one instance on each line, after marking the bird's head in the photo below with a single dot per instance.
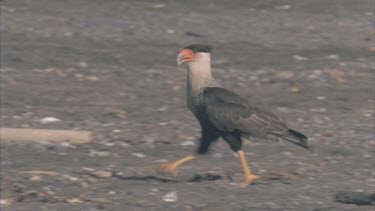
193 53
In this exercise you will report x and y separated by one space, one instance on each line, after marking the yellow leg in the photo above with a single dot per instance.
172 167
249 177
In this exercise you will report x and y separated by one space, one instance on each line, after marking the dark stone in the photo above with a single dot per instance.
358 198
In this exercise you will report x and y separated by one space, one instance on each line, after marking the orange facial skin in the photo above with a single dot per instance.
186 55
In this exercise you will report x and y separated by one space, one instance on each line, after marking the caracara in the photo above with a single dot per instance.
223 113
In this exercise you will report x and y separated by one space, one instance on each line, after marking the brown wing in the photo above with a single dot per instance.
229 111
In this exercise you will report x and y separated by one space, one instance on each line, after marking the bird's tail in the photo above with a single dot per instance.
294 137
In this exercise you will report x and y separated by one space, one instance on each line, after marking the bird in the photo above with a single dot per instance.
224 114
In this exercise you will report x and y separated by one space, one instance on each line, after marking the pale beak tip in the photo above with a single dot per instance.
180 59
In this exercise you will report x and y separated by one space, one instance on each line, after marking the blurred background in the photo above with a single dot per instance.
109 68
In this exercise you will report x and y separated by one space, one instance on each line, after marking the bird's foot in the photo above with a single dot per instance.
249 178
168 168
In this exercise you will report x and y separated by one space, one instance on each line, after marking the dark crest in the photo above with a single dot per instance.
199 48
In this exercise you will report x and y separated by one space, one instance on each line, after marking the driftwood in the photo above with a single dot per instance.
41 135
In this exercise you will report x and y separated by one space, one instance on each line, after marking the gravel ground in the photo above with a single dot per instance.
109 67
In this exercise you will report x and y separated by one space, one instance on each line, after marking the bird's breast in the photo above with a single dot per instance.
194 102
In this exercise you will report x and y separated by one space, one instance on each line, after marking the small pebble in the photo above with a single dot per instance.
74 200
6 201
87 169
47 120
161 161
78 75
65 144
92 78
318 110
73 179
171 31
333 57
36 179
283 7
158 6
83 65
102 174
285 74
188 143
138 155
295 90
91 180
125 145
94 153
289 154
84 185
170 197
300 58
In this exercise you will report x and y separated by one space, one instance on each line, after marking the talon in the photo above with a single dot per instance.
168 168
249 179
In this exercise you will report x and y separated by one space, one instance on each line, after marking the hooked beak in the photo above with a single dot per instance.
181 59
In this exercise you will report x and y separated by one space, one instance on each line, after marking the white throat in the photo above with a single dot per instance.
199 74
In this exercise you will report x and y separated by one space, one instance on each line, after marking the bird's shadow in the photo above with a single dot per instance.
145 178
201 177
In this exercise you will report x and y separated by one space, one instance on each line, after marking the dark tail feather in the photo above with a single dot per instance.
297 134
297 138
294 137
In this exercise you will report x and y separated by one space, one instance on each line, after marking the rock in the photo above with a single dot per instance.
161 161
170 197
84 185
87 169
358 198
36 179
188 143
138 155
65 144
193 34
333 57
7 201
94 153
285 74
73 179
185 136
158 6
74 200
102 174
47 120
321 98
338 75
295 90
82 64
318 110
288 154
91 180
116 131
300 58
283 7
30 195
171 31
92 78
